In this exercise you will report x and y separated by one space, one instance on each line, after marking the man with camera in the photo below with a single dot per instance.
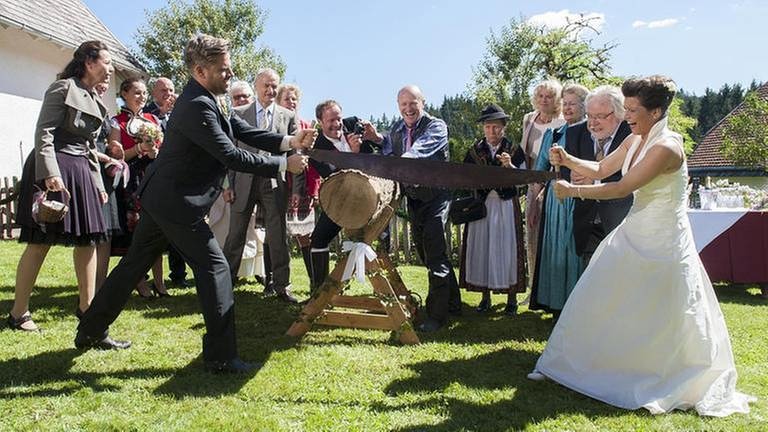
337 134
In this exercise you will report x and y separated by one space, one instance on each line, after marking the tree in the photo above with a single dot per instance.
522 54
162 40
745 134
682 124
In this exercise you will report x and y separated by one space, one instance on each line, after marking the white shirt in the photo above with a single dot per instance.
269 111
341 145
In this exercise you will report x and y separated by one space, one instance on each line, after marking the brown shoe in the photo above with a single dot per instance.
23 323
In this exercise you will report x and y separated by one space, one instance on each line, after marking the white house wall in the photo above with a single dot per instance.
28 66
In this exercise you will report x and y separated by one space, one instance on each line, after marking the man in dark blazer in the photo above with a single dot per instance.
338 134
177 193
601 134
270 194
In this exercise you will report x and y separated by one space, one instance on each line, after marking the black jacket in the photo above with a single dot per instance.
579 143
323 143
186 178
480 153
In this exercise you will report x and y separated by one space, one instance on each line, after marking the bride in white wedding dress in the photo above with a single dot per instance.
643 328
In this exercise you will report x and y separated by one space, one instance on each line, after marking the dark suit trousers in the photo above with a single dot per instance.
199 248
612 213
176 265
273 204
324 233
428 227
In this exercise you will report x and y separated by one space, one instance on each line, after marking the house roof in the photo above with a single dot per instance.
707 154
69 23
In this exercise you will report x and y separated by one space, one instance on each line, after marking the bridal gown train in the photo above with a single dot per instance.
643 328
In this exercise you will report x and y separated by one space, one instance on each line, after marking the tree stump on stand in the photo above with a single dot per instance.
363 206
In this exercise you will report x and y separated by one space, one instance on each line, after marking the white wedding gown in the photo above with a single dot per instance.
643 328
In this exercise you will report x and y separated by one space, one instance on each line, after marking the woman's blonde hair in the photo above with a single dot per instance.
553 86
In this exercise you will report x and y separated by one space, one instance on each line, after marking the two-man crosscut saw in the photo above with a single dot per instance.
432 173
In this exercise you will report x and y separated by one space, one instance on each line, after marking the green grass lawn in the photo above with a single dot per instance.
470 376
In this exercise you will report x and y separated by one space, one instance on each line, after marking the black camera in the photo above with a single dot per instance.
359 128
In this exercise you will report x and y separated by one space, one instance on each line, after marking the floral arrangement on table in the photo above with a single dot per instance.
724 194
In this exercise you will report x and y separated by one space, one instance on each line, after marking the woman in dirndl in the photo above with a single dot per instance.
493 254
130 132
65 166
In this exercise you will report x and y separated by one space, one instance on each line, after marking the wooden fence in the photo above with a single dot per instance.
8 195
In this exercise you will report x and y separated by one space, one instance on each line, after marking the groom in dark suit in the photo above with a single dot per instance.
176 194
601 134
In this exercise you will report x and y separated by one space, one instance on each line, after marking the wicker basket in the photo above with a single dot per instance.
52 211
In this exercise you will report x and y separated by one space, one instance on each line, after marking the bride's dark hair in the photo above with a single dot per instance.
655 91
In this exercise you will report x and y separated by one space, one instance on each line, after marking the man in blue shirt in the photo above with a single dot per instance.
419 135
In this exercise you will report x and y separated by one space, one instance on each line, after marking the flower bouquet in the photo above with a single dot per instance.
148 136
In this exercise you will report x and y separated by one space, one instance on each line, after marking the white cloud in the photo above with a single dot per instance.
667 22
562 18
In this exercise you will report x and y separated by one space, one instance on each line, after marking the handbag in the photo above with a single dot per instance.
467 209
49 211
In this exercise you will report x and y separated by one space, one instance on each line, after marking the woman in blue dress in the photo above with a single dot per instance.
558 267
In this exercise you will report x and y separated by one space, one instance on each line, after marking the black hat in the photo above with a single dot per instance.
492 112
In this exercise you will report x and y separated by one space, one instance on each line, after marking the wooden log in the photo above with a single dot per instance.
352 199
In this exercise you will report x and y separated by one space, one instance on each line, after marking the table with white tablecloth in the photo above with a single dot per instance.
732 244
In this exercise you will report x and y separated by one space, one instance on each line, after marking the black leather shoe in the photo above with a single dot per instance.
181 283
484 306
269 291
428 326
510 309
234 366
286 296
84 342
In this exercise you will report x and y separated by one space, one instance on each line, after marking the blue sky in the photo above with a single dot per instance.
361 53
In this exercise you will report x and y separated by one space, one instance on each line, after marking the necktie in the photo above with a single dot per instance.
408 138
600 153
264 120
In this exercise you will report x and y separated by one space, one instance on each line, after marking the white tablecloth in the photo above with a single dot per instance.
708 224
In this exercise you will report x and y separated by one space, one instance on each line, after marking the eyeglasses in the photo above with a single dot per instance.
599 116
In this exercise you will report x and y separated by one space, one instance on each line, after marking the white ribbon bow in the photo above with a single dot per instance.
358 253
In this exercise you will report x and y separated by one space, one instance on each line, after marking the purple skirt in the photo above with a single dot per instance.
83 225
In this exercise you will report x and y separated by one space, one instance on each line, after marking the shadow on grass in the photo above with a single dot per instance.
261 324
502 370
52 371
744 294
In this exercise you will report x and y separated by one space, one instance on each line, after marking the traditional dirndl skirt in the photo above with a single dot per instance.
83 225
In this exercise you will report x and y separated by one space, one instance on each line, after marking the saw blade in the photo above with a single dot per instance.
431 173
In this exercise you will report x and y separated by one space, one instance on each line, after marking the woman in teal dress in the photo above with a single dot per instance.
558 267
